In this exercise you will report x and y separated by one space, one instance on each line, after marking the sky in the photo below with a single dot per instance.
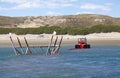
59 7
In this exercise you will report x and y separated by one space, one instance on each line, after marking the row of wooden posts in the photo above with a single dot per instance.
52 48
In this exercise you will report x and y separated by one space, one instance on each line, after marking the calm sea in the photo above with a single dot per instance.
97 62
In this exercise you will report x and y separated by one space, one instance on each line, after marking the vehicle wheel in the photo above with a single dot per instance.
88 45
77 46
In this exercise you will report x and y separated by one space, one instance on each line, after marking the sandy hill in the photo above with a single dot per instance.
81 20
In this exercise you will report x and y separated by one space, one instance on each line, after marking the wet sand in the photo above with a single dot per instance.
71 42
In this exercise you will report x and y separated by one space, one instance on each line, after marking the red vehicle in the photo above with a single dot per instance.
82 44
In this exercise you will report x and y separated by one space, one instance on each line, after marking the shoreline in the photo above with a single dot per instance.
96 39
68 43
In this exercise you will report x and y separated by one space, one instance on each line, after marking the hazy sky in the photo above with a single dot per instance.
59 7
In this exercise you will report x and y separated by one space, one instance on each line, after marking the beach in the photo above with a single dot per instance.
95 39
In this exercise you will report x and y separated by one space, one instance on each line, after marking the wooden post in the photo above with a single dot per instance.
57 49
28 51
13 45
49 46
20 45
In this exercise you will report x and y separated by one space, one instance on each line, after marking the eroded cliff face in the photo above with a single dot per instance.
82 20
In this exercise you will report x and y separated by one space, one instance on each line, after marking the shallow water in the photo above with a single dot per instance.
97 62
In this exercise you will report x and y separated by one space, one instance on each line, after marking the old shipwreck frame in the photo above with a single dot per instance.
52 48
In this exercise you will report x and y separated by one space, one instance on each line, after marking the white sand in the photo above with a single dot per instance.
112 38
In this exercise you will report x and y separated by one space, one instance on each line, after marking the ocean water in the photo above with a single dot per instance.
97 62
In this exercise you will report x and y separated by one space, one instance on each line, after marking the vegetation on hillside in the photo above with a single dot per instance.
61 30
